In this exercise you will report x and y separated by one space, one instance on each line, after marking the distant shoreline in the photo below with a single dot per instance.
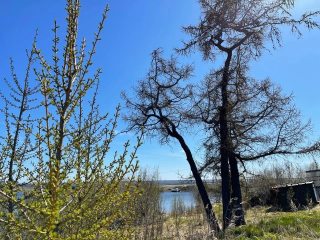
184 187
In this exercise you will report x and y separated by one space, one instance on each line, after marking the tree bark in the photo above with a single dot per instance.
232 210
237 210
224 144
202 190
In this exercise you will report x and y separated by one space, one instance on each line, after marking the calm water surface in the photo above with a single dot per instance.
167 198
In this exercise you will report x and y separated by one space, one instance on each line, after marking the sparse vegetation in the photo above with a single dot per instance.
264 221
277 225
148 209
261 224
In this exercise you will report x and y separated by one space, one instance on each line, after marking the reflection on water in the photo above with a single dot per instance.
167 198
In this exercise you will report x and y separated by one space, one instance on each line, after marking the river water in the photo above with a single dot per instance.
188 198
168 197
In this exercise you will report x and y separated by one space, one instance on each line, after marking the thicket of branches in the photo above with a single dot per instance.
56 179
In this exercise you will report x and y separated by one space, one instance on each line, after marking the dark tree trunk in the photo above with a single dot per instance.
202 190
224 144
225 184
237 211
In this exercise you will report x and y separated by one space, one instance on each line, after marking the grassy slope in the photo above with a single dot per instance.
278 225
260 225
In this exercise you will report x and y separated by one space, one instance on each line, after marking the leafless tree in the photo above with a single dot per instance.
262 121
224 27
158 107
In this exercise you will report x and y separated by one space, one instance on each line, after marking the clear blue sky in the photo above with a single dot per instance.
132 30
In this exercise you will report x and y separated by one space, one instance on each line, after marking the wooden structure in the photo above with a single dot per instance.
314 176
299 193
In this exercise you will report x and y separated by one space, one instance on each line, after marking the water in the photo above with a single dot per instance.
182 181
167 198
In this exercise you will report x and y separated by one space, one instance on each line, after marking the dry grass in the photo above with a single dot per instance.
261 224
192 226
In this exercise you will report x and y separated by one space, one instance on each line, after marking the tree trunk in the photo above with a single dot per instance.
225 188
202 190
224 144
237 211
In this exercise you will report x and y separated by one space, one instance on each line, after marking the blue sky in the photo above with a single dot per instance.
132 31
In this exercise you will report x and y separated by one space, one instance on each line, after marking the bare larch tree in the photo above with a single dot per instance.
226 25
158 107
